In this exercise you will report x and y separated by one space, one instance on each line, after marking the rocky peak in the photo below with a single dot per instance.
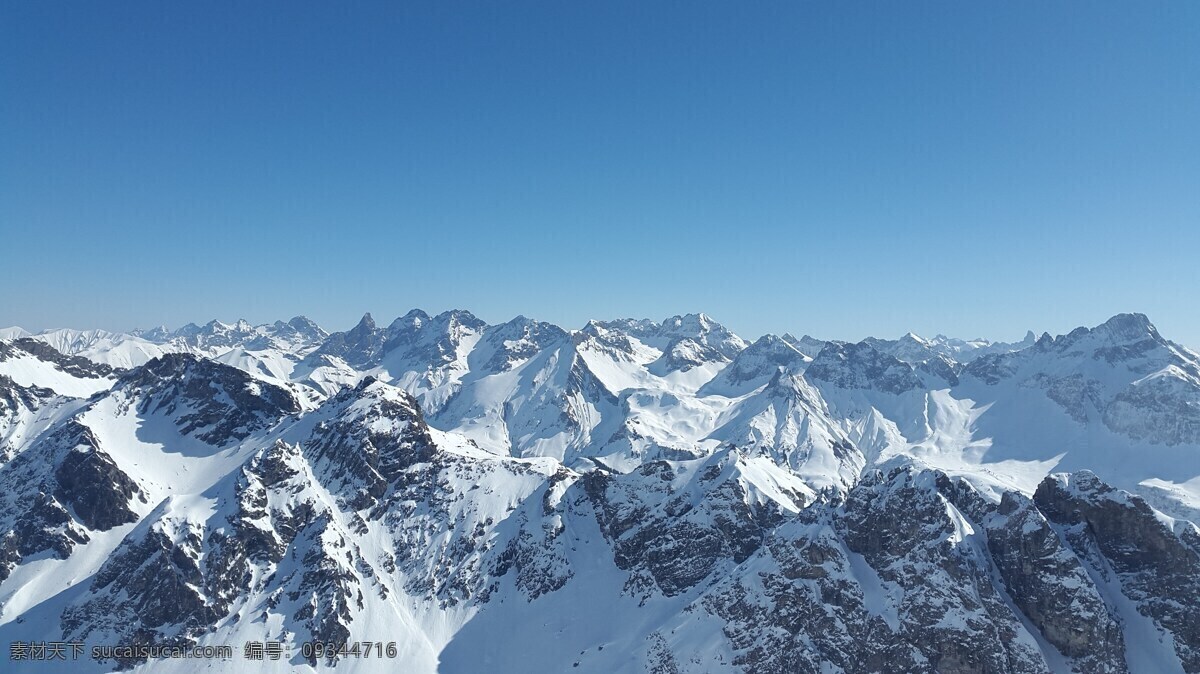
910 348
157 334
691 324
413 320
461 319
365 326
756 365
53 493
305 326
365 438
216 335
673 525
689 337
518 340
419 338
215 402
809 346
359 346
939 371
701 329
1129 334
1124 328
861 366
607 338
187 330
300 331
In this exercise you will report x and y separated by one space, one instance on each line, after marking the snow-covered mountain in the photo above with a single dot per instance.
630 496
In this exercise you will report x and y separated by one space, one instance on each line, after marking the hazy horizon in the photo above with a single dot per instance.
383 321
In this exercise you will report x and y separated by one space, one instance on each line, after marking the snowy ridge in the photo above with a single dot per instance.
631 496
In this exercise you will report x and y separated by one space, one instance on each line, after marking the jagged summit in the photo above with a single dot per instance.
1126 328
757 364
216 402
359 346
303 326
861 366
461 489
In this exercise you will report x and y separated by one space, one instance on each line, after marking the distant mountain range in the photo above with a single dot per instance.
631 496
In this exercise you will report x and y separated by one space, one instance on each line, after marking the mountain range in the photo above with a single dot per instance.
631 496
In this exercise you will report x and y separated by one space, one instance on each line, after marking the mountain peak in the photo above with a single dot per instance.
416 315
861 366
217 402
1122 329
692 323
1128 327
305 326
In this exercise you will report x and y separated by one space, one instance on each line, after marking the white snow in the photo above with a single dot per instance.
28 370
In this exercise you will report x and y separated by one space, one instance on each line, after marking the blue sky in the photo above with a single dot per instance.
840 169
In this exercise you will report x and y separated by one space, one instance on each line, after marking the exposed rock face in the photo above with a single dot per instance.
54 493
908 571
274 543
1162 409
505 345
92 485
170 581
634 496
915 572
537 555
300 330
757 365
860 366
672 531
151 584
19 407
366 437
1074 393
1138 383
992 368
1121 538
1045 579
13 396
415 340
420 338
807 345
216 403
891 580
941 370
73 365
685 342
359 346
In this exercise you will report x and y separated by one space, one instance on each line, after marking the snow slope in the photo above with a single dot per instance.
631 496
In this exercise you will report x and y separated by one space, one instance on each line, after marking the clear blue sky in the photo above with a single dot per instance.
840 169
